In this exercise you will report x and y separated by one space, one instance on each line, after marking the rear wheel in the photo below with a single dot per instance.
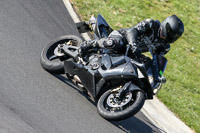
112 108
52 58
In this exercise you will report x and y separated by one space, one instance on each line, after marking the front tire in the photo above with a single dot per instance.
55 65
120 113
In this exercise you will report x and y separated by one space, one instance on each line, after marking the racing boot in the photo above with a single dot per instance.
84 47
92 22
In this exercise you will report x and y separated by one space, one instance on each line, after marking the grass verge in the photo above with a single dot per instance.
181 93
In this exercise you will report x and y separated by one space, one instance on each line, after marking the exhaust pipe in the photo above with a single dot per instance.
77 79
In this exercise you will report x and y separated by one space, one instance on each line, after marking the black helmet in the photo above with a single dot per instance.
172 28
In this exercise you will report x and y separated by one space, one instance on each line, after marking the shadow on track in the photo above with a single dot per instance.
131 125
135 125
70 83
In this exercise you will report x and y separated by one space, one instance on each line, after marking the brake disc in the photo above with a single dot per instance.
114 102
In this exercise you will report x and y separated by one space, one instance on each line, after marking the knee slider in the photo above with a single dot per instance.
109 43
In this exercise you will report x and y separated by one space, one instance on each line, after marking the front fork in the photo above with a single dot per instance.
123 90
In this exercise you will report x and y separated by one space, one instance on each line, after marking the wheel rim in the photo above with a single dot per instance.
55 54
114 104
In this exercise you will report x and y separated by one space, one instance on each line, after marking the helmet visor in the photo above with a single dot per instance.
171 35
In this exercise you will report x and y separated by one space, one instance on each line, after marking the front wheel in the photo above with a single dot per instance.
115 109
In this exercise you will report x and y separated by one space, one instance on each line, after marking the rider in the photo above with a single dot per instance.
140 37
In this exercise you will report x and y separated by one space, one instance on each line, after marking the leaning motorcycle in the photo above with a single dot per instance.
118 83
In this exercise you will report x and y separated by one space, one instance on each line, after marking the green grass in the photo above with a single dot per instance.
181 93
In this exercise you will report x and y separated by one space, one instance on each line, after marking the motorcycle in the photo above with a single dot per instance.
117 83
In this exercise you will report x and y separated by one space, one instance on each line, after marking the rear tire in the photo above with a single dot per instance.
56 66
127 112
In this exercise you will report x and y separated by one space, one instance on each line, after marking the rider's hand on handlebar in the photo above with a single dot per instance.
152 47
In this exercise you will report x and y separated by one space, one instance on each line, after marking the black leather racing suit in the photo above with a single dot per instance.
140 36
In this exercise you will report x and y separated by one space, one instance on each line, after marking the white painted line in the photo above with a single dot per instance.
74 17
160 115
154 110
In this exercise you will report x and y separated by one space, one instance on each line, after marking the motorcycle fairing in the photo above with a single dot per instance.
118 67
95 79
145 85
102 29
86 75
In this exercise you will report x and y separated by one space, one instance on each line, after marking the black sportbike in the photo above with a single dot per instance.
118 83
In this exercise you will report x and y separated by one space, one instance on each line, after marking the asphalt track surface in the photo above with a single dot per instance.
31 99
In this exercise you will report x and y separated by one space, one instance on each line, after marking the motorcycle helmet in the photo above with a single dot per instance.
171 28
